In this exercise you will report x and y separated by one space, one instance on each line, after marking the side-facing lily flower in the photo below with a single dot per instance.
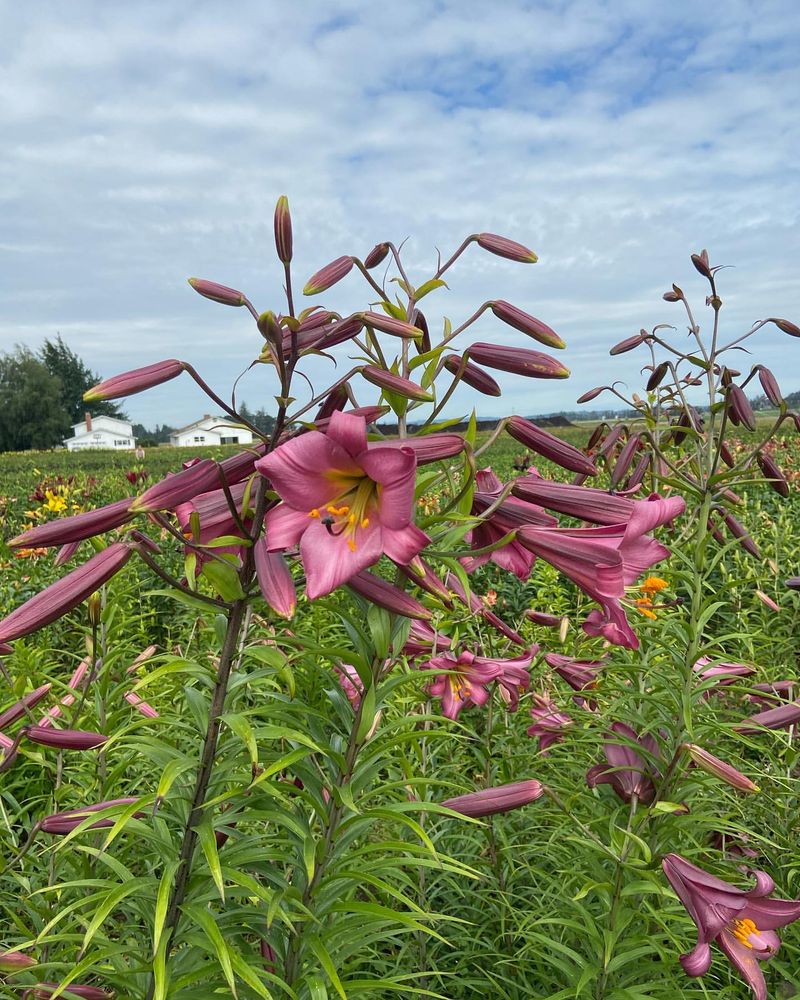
742 923
548 722
65 822
781 717
65 594
627 771
510 515
579 674
499 799
346 502
515 678
469 678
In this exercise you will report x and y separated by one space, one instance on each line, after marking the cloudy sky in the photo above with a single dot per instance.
146 142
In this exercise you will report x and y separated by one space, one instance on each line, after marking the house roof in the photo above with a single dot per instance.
103 420
215 423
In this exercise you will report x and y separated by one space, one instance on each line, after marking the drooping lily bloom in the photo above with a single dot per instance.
548 722
510 515
499 799
515 677
627 771
467 683
742 923
579 674
346 502
65 594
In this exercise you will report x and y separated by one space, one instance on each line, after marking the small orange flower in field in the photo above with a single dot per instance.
30 553
652 585
491 598
644 606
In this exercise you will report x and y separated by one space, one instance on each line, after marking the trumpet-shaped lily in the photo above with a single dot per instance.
627 771
346 502
742 923
469 678
548 722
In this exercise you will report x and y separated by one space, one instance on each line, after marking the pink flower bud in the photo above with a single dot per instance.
430 447
700 261
43 991
526 323
395 383
65 822
767 601
275 580
774 718
376 256
283 230
19 708
719 769
624 460
786 326
136 380
499 799
739 409
389 324
324 337
336 400
472 375
328 275
218 293
517 360
176 488
770 386
503 247
64 739
65 594
543 618
351 683
13 961
591 394
745 540
549 446
629 343
772 473
379 591
657 376
140 705
65 530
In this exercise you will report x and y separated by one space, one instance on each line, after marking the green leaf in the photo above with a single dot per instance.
326 962
203 918
162 901
205 834
108 904
224 578
429 286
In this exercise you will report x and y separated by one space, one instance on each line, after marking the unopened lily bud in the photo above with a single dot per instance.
549 446
595 436
218 293
269 328
774 718
726 455
772 473
783 324
700 261
94 608
370 414
336 400
430 447
177 488
390 324
275 580
657 376
43 991
563 629
671 297
526 323
328 276
719 769
739 409
587 397
423 344
612 438
745 540
65 594
395 383
13 961
624 460
629 343
140 705
767 601
420 573
314 317
64 739
19 708
379 591
543 618
503 247
770 386
499 799
376 256
792 582
65 530
639 471
517 360
328 336
136 380
65 822
283 230
472 375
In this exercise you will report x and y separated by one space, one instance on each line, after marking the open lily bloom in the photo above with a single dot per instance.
345 502
742 923
548 722
467 683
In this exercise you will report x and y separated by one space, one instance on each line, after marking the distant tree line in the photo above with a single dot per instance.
41 396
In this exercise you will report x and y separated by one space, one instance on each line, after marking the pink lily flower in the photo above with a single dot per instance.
346 502
515 678
742 923
422 640
548 722
351 683
627 771
510 515
469 679
579 674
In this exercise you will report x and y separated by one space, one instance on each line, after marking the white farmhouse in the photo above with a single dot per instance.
211 430
101 432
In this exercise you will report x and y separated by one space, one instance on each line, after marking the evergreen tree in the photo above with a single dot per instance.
75 378
32 412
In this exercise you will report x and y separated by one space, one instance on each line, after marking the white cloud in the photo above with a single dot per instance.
146 143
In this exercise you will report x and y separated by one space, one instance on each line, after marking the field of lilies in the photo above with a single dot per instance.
441 713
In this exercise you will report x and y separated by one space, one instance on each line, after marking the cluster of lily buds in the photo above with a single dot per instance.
499 799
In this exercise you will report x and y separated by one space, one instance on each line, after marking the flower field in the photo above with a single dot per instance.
452 714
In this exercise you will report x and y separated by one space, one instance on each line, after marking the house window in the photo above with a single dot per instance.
121 443
199 438
229 440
